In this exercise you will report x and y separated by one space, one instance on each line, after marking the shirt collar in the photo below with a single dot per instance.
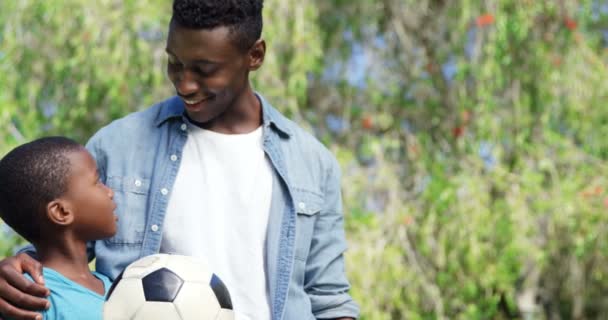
174 108
171 108
273 118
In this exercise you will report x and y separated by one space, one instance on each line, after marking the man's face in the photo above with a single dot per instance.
208 70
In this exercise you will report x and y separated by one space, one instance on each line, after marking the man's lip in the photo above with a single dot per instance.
196 103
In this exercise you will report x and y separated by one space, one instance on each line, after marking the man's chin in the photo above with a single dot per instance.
198 118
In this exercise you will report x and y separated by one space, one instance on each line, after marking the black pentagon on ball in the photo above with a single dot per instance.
162 285
221 292
114 284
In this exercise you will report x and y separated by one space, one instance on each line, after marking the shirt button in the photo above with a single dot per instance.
173 158
154 227
138 183
302 205
183 127
164 191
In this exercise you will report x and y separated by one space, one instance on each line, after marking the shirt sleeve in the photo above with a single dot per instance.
28 248
325 276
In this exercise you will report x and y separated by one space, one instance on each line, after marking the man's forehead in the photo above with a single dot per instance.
200 44
220 34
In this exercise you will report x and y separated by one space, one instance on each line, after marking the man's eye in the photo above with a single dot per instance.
205 71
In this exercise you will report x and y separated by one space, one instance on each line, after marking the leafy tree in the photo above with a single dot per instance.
474 143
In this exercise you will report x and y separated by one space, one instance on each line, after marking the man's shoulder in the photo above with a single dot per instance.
300 143
134 125
302 137
140 119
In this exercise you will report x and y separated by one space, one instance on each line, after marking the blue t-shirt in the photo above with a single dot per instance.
70 300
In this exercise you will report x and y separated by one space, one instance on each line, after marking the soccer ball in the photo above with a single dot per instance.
168 287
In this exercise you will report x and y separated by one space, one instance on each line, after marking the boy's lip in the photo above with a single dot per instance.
114 211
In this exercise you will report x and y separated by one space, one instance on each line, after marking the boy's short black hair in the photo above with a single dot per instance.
243 17
31 176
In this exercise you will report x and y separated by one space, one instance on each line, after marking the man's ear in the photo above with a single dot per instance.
257 54
60 212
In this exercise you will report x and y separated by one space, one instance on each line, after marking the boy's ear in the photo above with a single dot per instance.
59 211
257 54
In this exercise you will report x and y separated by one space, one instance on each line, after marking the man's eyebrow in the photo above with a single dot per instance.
200 61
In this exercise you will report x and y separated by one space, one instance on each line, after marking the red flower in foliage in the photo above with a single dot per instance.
484 20
466 116
457 132
557 61
570 23
598 190
367 122
408 220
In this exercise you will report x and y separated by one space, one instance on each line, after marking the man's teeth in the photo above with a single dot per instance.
192 101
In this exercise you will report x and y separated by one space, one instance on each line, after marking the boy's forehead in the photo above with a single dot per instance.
82 160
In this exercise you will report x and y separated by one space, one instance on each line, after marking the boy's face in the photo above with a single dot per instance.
208 70
91 200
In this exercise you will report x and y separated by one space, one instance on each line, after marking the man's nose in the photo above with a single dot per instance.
187 84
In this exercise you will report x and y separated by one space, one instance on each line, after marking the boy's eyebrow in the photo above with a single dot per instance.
200 61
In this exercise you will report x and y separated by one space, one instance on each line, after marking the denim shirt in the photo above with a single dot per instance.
139 155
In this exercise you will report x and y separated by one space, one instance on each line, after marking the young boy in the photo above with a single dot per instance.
50 193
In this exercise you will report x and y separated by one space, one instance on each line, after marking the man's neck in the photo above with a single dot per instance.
243 116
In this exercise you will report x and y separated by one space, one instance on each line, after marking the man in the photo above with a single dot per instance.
217 172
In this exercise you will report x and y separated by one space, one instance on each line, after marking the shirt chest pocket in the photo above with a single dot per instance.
308 207
131 197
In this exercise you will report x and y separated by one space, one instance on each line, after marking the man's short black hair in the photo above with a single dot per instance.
243 17
31 176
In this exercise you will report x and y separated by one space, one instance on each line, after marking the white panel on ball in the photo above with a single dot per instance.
225 314
204 307
158 311
145 265
189 268
167 287
126 299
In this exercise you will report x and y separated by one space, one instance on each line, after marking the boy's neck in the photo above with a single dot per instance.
70 259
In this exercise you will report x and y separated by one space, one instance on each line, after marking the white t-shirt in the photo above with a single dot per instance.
219 210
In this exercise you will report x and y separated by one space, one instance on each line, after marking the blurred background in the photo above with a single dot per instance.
472 135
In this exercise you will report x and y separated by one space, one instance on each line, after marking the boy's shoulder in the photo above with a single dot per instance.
69 300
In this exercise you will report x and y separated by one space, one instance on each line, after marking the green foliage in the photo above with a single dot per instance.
472 145
493 205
